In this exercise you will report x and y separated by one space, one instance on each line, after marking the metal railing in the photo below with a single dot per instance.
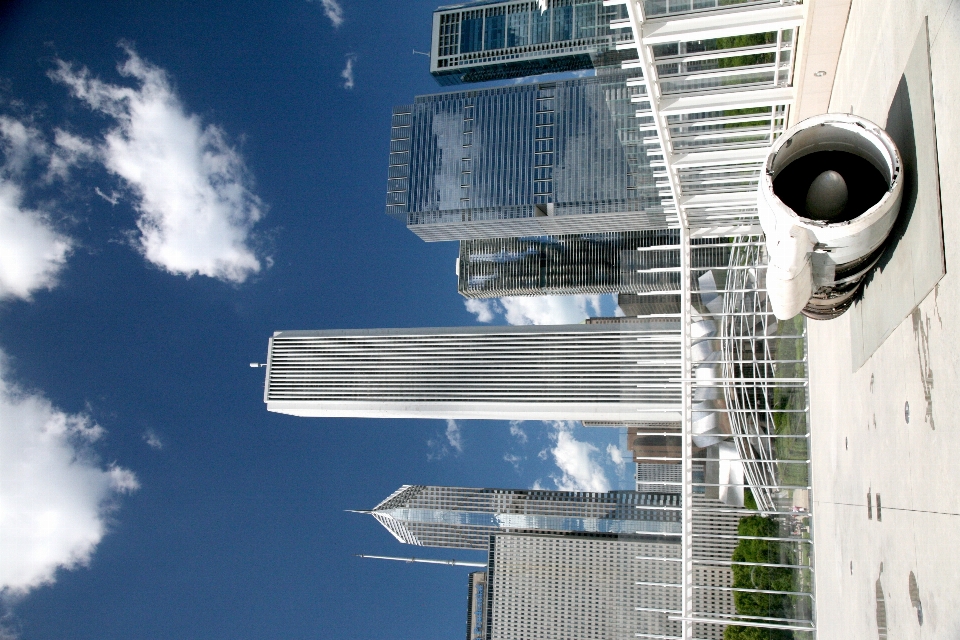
714 95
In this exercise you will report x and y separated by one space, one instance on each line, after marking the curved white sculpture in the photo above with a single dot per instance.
828 197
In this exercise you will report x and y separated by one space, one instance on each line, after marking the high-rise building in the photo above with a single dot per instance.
611 372
549 587
659 477
477 606
495 40
553 158
465 518
561 265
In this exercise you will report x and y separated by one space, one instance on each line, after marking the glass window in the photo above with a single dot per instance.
562 23
494 32
518 29
586 21
541 26
471 34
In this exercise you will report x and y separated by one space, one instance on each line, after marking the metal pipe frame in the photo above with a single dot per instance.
708 155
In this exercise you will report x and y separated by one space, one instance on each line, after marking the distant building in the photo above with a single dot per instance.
649 442
480 41
659 477
477 606
525 160
465 518
649 304
563 265
544 588
608 372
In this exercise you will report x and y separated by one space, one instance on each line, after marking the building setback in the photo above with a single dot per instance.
524 160
481 41
563 265
465 518
612 372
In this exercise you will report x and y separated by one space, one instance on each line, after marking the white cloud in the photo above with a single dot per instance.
54 495
616 456
483 309
536 485
347 74
152 439
69 150
439 447
196 209
32 252
579 470
517 431
523 310
334 11
513 459
21 144
453 435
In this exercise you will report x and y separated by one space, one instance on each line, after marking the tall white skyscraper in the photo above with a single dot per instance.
612 372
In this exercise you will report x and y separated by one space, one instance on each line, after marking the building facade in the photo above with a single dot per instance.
466 518
544 588
611 372
564 265
481 41
523 160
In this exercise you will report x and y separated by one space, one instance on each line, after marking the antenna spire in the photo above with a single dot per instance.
453 563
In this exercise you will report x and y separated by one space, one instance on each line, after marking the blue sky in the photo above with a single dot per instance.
178 180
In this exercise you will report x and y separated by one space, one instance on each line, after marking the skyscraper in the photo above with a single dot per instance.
465 518
548 587
491 40
574 264
612 372
525 160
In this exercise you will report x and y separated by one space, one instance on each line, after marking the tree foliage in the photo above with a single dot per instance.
771 605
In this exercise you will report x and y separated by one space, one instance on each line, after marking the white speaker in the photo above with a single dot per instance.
829 194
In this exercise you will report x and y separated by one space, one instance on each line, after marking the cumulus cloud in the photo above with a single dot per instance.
523 310
616 456
517 431
191 188
483 309
513 460
32 252
333 11
347 73
579 471
21 143
152 439
55 496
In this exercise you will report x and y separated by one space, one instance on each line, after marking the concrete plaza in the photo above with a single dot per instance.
884 380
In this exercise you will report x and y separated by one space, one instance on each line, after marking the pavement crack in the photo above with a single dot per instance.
921 331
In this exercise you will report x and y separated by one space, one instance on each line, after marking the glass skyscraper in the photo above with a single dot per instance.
466 518
526 160
491 40
628 261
